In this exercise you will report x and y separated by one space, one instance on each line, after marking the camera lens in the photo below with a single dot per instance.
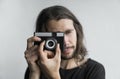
50 44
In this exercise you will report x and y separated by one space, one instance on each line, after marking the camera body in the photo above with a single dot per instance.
51 40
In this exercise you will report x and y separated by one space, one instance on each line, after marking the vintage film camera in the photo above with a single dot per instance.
51 40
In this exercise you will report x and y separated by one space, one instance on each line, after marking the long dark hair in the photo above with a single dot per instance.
59 12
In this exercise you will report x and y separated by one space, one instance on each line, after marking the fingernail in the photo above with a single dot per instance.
58 45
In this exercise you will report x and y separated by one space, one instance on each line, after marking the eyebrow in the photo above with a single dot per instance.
69 30
63 31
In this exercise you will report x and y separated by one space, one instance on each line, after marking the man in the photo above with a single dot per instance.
68 64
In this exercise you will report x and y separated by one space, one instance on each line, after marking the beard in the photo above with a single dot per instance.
66 58
69 57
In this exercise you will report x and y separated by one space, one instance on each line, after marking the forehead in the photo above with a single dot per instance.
60 25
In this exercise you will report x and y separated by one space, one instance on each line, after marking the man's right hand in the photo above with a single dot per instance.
31 55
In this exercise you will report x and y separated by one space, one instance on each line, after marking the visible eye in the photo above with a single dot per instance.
68 31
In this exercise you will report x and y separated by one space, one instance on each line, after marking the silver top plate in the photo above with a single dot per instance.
43 34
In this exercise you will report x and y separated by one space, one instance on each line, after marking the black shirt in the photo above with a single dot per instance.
90 70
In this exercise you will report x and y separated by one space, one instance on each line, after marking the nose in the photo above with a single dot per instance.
66 40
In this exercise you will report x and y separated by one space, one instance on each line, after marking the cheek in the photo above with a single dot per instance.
73 38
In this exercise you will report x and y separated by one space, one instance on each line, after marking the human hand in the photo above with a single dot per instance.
49 66
31 54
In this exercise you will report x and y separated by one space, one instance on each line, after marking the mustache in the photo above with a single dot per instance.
66 47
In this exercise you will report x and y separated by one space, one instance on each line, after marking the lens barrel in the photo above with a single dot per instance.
51 44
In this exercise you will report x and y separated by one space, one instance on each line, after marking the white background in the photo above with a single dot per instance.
100 20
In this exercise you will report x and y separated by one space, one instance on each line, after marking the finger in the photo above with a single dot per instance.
26 53
31 51
33 48
31 40
58 51
50 54
41 51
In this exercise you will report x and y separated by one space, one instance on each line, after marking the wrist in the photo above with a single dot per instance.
34 69
56 76
35 72
34 75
